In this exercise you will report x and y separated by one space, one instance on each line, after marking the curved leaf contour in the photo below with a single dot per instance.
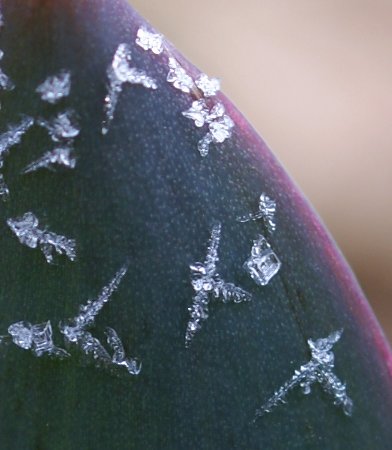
140 196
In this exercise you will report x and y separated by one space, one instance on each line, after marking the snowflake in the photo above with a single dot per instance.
209 86
38 338
207 284
5 82
149 41
263 264
120 72
178 77
26 229
267 210
219 124
55 87
318 370
63 128
131 364
61 156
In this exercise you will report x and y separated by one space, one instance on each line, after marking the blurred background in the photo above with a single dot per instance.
314 77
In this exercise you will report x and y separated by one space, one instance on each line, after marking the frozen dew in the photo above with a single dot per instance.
60 156
75 330
26 229
63 128
318 370
55 87
208 284
209 86
178 77
266 212
5 82
263 264
149 41
131 364
38 338
120 72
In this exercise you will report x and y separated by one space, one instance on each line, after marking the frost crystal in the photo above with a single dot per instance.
178 77
208 284
62 128
38 337
149 41
75 329
318 370
11 137
5 81
209 86
56 87
120 72
61 156
267 209
131 364
26 229
219 124
263 263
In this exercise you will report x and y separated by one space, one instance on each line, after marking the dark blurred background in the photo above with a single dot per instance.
315 79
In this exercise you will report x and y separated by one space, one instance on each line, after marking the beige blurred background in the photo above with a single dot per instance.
315 79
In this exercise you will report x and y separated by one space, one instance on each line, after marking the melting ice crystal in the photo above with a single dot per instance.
149 41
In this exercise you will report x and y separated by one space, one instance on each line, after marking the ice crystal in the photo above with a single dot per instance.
75 330
131 364
219 123
149 41
55 87
263 264
38 338
178 77
26 228
5 81
120 72
318 370
208 284
267 210
63 128
4 191
209 86
61 156
13 136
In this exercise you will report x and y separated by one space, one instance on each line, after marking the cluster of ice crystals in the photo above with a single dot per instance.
208 284
178 77
219 123
38 338
61 156
5 81
26 229
55 87
120 72
263 264
149 41
209 86
267 210
318 370
63 128
132 365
